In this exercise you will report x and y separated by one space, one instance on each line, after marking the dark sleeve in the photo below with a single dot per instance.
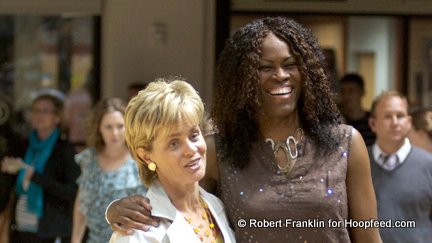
60 173
7 183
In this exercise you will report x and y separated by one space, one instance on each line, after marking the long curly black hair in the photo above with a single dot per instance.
236 93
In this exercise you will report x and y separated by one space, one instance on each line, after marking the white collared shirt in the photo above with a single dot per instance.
173 227
395 159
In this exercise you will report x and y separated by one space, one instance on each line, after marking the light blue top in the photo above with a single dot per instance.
98 188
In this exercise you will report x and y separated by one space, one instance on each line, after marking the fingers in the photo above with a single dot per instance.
11 165
143 204
117 228
136 222
129 213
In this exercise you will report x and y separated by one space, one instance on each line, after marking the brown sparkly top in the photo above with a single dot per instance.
308 205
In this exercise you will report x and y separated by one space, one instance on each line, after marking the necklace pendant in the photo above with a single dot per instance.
287 151
291 154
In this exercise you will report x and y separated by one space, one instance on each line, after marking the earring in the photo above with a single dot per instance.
151 166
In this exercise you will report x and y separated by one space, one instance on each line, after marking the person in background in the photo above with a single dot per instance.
352 91
134 88
401 172
107 171
44 179
164 135
280 151
78 106
420 134
12 145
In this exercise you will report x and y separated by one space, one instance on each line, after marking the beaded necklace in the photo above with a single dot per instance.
199 230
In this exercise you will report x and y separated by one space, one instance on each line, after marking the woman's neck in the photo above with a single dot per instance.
111 159
184 197
43 134
279 129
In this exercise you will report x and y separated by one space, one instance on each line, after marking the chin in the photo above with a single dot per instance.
200 175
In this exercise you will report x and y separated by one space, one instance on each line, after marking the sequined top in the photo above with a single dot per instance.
98 188
308 205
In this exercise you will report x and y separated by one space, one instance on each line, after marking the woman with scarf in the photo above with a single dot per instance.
44 178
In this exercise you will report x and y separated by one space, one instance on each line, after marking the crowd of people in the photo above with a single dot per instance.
279 150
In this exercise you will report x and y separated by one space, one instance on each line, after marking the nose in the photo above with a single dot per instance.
281 74
190 149
115 131
394 119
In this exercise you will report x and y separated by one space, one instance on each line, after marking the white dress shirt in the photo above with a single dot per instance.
393 160
173 226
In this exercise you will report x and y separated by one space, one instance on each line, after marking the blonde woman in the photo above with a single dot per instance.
164 135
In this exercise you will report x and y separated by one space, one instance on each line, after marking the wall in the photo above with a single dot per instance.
416 7
420 69
373 35
146 39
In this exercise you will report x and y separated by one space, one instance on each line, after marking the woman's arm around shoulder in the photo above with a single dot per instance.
360 191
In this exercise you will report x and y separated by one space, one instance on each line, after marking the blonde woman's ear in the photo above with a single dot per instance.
142 154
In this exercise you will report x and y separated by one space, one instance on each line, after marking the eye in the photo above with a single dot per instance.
290 65
401 116
265 68
173 144
195 136
388 116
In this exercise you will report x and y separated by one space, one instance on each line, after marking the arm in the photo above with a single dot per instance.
361 194
61 172
7 183
132 212
79 222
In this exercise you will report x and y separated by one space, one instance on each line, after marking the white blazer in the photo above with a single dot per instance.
172 226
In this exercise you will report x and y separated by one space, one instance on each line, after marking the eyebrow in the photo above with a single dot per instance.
289 58
175 134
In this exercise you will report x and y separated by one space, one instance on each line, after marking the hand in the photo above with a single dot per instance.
12 165
133 212
27 177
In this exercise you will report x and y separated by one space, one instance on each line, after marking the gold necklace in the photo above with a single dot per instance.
286 147
199 230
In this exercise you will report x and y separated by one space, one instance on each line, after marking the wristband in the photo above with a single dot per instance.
106 210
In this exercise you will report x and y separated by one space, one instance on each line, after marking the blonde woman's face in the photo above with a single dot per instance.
181 156
112 129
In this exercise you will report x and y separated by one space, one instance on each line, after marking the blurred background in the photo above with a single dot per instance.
96 48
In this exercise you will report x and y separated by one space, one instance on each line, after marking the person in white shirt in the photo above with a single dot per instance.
401 173
163 133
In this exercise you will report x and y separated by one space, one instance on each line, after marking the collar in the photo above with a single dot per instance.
164 208
401 153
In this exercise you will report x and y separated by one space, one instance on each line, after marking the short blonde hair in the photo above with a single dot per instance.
385 95
156 111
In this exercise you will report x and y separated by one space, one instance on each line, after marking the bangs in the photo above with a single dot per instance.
188 114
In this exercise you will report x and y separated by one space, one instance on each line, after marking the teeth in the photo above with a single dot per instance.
194 163
283 90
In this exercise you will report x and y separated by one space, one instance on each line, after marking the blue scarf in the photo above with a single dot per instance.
36 156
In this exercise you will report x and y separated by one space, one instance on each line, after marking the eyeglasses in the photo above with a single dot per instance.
42 111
